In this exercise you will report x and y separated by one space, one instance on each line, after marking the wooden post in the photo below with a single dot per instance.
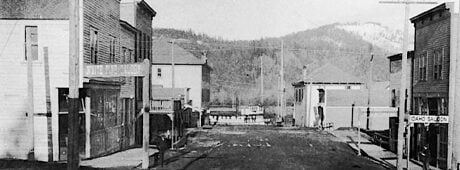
88 126
172 94
30 99
402 96
261 81
48 102
452 140
359 131
352 114
74 74
146 114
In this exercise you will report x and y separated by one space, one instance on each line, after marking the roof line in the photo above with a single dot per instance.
147 6
34 18
127 25
423 14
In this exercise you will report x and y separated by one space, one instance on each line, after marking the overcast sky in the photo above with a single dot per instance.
253 19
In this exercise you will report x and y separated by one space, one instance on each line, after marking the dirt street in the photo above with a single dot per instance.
264 147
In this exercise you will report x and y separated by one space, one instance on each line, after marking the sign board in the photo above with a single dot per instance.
114 70
428 119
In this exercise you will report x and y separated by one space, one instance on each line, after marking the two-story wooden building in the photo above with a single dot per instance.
190 71
39 31
430 82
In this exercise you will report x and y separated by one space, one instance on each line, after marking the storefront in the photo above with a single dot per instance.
433 135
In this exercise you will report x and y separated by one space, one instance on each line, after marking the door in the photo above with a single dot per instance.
433 132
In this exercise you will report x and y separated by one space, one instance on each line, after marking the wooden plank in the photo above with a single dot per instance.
146 115
88 127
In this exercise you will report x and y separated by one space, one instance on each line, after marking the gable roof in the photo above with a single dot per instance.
330 73
162 54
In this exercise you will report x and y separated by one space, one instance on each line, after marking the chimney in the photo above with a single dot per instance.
304 73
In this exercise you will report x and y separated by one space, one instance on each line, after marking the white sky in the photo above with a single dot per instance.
253 19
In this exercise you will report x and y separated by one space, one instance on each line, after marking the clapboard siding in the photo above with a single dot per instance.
430 36
103 16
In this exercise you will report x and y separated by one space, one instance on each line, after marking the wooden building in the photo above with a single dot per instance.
340 97
430 82
190 72
395 67
39 30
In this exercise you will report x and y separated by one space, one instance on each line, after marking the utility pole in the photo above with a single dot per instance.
402 97
283 103
172 94
453 130
73 159
369 85
261 81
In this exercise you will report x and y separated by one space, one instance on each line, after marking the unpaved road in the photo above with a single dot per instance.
264 147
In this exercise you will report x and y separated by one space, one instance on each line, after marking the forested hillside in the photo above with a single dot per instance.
236 64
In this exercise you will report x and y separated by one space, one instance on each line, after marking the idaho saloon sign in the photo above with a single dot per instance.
428 119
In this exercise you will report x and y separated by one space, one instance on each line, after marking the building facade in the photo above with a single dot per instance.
189 72
139 14
395 67
430 82
39 30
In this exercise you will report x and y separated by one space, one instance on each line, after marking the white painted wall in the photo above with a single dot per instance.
185 76
16 132
305 113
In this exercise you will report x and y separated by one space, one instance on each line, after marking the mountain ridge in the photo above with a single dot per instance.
236 64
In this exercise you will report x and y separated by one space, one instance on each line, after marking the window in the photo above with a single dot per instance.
393 98
124 53
130 56
298 95
423 58
321 94
31 42
112 49
93 45
437 64
159 72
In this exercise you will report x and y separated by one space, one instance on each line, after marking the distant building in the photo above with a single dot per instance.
139 15
395 67
430 82
190 71
39 29
395 78
338 96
